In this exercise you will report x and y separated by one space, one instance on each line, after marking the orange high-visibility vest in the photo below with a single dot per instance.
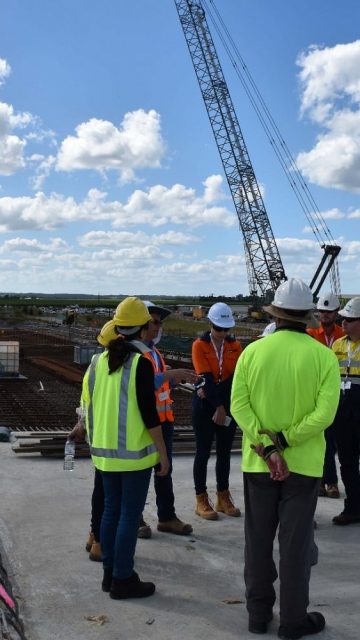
163 399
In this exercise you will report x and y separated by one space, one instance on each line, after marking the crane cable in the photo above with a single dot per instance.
302 192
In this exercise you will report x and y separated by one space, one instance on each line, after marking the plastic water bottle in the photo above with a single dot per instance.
69 455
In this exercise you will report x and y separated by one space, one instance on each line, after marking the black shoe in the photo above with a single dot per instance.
257 627
314 623
130 587
107 579
345 518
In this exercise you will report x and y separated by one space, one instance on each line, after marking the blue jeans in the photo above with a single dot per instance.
163 484
125 495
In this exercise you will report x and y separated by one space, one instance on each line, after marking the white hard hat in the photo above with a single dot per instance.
293 294
221 315
351 309
270 328
328 302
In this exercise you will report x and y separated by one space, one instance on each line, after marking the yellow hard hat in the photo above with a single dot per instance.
131 313
107 333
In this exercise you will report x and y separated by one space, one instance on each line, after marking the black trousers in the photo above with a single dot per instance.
205 431
347 434
289 505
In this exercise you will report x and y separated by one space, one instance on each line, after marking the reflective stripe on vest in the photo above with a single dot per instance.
351 379
121 452
163 400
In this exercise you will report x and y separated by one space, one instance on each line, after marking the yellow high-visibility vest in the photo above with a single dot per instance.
118 438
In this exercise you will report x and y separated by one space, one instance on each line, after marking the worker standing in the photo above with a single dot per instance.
126 442
284 395
214 357
347 421
165 378
328 306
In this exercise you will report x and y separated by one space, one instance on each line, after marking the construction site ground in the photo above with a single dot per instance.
44 522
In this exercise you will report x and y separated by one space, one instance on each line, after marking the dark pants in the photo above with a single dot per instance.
97 505
330 474
164 485
290 505
205 431
347 434
125 495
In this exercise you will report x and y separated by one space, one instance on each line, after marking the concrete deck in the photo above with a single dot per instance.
44 521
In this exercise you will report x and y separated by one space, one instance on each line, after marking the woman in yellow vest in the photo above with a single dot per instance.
126 442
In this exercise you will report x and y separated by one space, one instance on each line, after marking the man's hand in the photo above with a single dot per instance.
270 434
78 433
219 416
276 463
277 467
259 449
164 466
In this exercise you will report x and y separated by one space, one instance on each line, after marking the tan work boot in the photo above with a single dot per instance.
224 504
95 552
332 491
89 541
204 508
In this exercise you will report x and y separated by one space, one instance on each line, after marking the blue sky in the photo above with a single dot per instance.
110 179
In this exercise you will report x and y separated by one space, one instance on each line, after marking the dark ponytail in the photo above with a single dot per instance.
119 350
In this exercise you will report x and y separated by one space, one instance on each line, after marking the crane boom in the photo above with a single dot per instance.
264 266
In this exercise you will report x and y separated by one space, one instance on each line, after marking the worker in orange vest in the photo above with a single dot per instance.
165 378
328 306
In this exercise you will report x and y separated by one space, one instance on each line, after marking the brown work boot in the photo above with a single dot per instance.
89 541
95 552
144 530
224 504
322 491
175 526
204 508
332 491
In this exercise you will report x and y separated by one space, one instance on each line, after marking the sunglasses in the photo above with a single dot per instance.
351 319
219 328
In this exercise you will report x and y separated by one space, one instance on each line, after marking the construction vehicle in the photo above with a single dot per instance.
265 270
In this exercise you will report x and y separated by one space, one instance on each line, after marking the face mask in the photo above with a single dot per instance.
158 337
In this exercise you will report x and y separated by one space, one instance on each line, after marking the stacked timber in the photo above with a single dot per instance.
51 444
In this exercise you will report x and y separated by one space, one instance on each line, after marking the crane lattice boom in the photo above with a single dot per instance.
264 265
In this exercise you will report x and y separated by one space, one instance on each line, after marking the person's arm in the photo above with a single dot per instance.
145 392
201 367
157 436
174 376
242 411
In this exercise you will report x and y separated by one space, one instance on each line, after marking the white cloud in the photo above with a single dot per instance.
100 145
330 84
127 238
156 207
5 70
26 246
11 146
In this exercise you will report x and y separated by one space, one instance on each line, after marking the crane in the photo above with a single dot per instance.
263 262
